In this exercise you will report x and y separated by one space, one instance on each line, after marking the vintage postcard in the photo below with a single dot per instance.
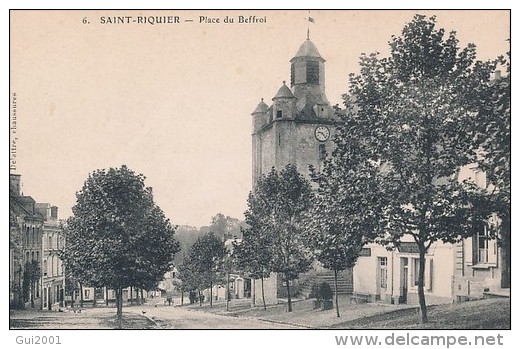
259 132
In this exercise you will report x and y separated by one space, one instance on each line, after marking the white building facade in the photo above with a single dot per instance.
466 270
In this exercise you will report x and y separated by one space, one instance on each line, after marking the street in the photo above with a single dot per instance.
169 317
152 315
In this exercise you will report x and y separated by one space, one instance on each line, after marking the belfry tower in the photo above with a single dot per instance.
297 127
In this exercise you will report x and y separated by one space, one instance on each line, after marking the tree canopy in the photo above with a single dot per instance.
203 266
343 216
277 209
117 236
415 111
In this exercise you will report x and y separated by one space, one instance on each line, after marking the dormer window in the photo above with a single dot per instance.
279 114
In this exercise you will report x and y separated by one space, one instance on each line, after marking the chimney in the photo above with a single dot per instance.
54 212
14 183
498 74
44 209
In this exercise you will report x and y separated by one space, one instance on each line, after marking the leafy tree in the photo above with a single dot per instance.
279 202
189 279
343 217
31 275
493 137
118 237
203 267
228 266
186 236
415 109
224 227
253 254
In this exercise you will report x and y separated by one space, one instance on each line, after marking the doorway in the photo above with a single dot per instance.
382 283
403 289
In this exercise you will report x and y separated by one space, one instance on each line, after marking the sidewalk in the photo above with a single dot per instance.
303 315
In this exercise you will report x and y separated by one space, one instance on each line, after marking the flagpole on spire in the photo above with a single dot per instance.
309 20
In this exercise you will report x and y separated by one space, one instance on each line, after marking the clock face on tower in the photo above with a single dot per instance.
322 133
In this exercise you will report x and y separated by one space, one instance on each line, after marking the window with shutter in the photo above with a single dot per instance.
492 252
428 274
415 271
482 241
468 251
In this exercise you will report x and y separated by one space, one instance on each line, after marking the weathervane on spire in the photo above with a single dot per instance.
309 20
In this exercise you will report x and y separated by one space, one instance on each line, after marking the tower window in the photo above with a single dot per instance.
279 114
322 152
313 72
292 74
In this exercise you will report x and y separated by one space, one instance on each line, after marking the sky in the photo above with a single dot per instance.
173 101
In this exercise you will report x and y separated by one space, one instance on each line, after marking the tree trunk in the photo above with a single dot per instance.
253 291
116 292
32 293
422 300
20 292
506 259
263 294
94 303
131 295
211 294
72 296
182 297
336 291
106 296
200 298
119 304
289 304
81 295
227 292
142 297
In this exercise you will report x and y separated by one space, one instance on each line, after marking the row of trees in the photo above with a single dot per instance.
412 120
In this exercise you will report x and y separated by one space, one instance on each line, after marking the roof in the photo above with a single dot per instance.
308 49
22 205
408 247
261 107
284 92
